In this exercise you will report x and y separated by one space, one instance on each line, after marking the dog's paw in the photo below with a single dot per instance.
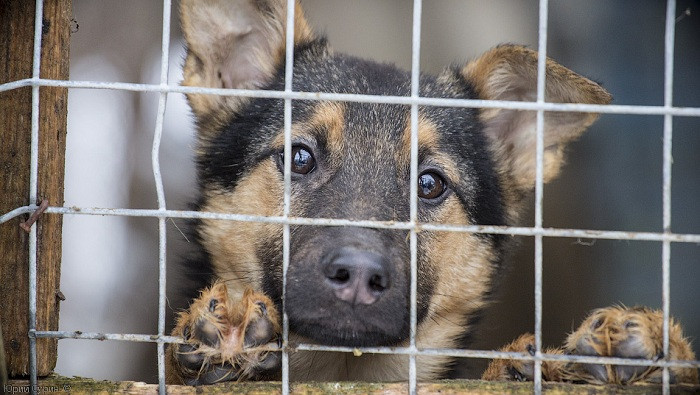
628 333
221 336
519 370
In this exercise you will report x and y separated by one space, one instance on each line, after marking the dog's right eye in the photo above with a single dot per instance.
431 185
303 161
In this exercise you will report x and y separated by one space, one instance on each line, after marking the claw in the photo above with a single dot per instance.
515 374
531 349
263 308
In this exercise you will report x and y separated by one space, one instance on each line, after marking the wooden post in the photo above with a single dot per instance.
16 47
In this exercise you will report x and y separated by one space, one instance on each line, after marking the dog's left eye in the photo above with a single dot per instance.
303 161
431 185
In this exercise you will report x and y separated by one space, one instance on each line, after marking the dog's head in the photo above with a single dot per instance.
350 285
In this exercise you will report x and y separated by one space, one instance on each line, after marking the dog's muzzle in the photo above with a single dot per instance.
345 287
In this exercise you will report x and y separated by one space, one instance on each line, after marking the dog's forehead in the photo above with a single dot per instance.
366 122
348 74
373 128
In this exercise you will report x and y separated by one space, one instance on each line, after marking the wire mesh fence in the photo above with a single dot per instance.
538 231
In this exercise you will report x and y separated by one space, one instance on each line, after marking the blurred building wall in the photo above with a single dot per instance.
612 182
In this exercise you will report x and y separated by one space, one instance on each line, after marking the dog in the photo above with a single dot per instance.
349 286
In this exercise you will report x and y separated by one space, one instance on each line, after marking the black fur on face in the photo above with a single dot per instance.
361 177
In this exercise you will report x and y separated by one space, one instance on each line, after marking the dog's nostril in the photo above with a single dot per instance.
377 283
341 275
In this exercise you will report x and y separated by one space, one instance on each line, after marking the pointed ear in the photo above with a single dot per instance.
509 72
234 44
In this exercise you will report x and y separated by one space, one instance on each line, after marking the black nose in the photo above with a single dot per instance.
357 276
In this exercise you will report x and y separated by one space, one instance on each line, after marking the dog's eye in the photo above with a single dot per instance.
431 185
302 160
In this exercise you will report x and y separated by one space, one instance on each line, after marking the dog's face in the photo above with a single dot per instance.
350 285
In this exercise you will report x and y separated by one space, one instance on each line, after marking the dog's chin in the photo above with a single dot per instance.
331 335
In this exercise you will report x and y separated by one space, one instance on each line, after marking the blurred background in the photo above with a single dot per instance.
613 180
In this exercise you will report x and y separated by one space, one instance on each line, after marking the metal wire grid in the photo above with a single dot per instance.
162 213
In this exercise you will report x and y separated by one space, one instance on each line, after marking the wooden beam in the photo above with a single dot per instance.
77 386
16 48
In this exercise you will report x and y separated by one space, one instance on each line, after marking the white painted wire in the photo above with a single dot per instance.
539 188
158 179
506 230
666 237
33 194
413 195
288 80
668 160
454 352
350 97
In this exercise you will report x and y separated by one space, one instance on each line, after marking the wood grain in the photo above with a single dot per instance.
16 47
77 385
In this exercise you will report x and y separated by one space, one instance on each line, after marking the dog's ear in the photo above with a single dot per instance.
509 72
234 44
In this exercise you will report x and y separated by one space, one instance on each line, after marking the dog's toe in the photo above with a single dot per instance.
260 329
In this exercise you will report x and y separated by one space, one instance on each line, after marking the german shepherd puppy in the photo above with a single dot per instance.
349 286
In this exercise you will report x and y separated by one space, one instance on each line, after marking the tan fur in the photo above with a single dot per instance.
428 137
499 369
614 331
510 73
328 119
216 31
462 262
428 140
496 72
232 244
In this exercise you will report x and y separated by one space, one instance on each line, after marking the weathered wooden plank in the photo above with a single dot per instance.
16 48
75 386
